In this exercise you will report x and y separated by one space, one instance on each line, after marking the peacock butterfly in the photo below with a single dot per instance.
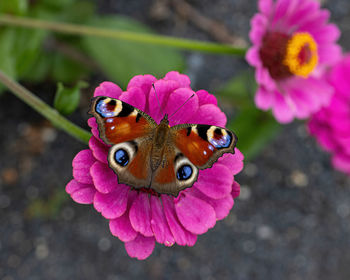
145 154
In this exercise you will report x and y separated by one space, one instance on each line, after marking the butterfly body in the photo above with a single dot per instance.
145 154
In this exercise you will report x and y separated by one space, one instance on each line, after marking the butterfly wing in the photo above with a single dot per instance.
129 131
174 174
204 144
193 147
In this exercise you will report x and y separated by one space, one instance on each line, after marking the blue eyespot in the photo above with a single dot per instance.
184 172
223 142
102 109
121 157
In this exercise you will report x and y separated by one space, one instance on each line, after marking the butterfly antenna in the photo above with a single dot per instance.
181 106
160 108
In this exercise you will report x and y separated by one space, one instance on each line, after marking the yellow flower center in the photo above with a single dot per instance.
301 54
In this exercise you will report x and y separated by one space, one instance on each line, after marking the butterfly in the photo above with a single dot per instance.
145 154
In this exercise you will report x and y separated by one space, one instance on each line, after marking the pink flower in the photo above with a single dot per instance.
139 218
331 125
293 45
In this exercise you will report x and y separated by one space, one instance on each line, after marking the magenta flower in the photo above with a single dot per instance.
293 45
140 218
331 125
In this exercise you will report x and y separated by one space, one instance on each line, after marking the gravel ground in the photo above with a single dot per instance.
291 220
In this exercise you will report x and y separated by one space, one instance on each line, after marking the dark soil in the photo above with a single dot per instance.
291 221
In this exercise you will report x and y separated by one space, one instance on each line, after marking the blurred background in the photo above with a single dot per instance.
291 220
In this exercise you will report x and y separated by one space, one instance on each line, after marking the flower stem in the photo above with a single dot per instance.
44 109
75 29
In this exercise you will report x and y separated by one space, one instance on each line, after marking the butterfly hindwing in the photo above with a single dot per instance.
175 173
119 121
131 162
204 144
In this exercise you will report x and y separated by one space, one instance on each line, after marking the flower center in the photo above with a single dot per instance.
285 56
301 57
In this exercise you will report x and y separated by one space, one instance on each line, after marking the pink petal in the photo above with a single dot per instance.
234 162
81 166
266 6
121 228
181 235
112 205
108 89
222 206
195 215
215 182
282 112
209 114
183 80
81 193
263 78
141 247
140 215
163 89
253 57
206 98
159 223
341 162
99 150
176 100
94 129
135 97
104 178
263 98
236 189
327 34
329 54
144 82
314 21
259 28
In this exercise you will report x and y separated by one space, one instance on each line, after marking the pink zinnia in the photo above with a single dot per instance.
331 125
139 218
293 45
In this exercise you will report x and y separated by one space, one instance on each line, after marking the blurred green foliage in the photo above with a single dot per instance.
126 59
35 56
253 127
49 207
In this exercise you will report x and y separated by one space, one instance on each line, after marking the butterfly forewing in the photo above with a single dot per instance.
119 121
204 144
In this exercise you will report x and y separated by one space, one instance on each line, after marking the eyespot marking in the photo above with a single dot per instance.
184 172
121 157
103 108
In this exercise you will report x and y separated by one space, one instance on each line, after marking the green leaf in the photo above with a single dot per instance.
254 129
16 7
67 70
27 49
122 60
78 12
41 69
67 99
